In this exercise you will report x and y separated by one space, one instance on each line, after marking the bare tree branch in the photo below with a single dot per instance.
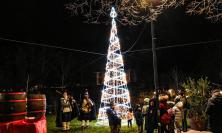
130 12
133 12
211 8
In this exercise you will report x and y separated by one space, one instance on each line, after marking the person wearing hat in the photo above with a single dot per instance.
214 111
66 108
86 110
114 120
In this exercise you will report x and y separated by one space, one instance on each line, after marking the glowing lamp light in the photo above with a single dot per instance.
115 84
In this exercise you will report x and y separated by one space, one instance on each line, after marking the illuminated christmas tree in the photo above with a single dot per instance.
115 84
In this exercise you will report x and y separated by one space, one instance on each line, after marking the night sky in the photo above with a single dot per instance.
47 22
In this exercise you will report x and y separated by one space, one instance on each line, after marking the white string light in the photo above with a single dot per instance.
115 84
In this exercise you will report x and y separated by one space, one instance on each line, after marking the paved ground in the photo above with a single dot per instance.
193 131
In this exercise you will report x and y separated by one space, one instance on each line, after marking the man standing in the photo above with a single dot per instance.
58 110
87 112
139 118
114 120
186 106
214 109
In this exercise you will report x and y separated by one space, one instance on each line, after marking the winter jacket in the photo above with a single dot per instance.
139 118
151 119
178 115
87 108
164 116
214 110
66 105
112 117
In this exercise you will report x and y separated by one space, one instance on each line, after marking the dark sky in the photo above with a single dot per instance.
47 22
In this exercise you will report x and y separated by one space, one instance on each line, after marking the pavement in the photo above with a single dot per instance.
193 131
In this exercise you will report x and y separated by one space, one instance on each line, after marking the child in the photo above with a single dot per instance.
139 118
130 117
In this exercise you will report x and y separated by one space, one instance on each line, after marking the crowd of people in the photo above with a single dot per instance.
167 115
162 115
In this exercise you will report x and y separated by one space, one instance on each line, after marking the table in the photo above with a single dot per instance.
24 126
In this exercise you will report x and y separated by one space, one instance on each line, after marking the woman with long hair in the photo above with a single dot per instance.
151 117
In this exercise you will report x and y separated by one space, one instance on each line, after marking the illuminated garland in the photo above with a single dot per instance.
115 84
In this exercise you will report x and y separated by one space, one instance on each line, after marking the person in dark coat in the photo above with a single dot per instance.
87 110
151 117
75 108
114 120
139 118
214 111
58 112
185 110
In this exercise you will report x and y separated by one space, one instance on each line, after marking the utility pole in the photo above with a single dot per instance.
155 72
27 84
156 85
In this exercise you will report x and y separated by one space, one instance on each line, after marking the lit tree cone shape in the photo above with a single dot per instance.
115 84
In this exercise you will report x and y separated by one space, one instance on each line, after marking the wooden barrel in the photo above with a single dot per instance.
12 106
36 105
